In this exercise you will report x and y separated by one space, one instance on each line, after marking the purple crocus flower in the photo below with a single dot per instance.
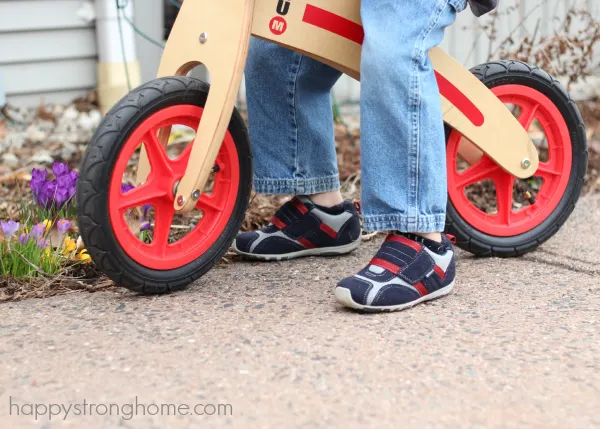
42 243
61 196
64 225
9 228
38 178
60 169
24 239
39 175
47 194
38 231
64 182
74 176
57 193
145 226
125 187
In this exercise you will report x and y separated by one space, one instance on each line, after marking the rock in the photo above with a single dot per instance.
14 140
68 151
85 122
70 114
43 157
10 159
95 117
36 135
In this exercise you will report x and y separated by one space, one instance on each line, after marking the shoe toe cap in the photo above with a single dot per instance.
244 241
359 289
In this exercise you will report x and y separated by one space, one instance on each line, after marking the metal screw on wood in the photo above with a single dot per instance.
203 38
196 195
526 163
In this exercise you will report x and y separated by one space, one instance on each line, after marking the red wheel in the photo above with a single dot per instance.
490 211
133 233
553 171
216 208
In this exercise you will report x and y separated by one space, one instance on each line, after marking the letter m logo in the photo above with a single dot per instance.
278 25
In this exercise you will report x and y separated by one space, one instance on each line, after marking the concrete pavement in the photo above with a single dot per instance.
516 346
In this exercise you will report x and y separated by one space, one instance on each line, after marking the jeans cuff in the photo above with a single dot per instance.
297 186
423 224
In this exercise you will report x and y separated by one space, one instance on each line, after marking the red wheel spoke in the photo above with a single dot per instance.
159 161
504 183
163 219
142 195
528 114
208 203
480 171
181 162
546 171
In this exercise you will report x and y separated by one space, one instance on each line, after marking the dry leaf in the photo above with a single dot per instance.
3 131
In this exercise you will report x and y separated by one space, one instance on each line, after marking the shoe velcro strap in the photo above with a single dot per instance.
329 230
300 206
414 272
278 222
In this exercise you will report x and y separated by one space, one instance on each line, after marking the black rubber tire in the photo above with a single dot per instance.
96 171
499 73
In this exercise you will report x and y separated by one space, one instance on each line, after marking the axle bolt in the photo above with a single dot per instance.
203 38
526 163
180 201
196 195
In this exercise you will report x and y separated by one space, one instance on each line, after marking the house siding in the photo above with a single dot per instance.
47 52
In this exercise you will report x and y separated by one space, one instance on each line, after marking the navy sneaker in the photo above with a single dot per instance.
301 228
406 271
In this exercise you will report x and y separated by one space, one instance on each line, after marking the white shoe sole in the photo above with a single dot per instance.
322 251
344 297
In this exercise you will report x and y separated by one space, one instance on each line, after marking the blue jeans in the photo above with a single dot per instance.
402 133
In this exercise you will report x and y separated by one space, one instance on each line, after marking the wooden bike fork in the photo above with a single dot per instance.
216 34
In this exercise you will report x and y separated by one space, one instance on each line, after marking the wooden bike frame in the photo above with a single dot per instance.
217 33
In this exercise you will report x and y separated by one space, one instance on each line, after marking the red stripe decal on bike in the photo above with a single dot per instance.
422 289
306 243
278 222
439 272
355 32
328 230
334 23
459 100
301 207
387 265
406 241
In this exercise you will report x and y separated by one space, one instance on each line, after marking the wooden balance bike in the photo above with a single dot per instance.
156 211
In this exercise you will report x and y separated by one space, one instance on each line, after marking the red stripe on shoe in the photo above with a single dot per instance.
387 265
334 23
278 222
406 241
422 289
439 272
306 243
329 230
301 207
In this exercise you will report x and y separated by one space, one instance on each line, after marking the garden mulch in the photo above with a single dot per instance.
34 138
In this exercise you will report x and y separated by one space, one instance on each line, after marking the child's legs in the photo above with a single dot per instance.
403 143
290 121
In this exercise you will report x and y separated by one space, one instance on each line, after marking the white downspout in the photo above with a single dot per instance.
112 73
